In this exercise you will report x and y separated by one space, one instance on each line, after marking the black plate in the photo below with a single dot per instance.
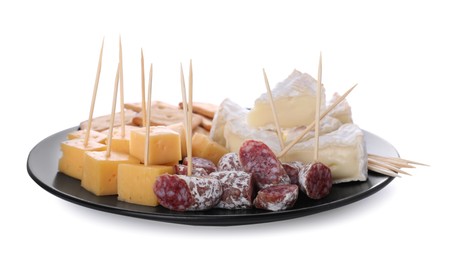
43 169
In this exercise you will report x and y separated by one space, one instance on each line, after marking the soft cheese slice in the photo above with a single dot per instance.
72 160
100 172
237 131
327 125
343 151
164 145
294 99
135 182
118 143
228 110
342 111
93 135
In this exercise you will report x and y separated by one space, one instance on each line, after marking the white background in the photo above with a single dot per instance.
398 52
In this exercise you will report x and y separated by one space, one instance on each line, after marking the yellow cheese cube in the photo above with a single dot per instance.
72 160
164 145
100 172
205 147
93 136
118 143
179 128
135 182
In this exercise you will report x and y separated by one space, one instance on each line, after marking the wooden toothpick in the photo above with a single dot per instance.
317 116
147 124
122 111
274 111
113 112
187 123
94 96
144 110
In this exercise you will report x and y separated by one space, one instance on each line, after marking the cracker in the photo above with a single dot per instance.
205 109
102 122
166 114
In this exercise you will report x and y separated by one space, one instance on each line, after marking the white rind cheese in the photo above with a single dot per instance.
228 110
343 151
342 111
327 125
294 99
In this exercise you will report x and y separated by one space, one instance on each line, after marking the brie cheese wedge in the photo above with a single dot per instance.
343 151
294 99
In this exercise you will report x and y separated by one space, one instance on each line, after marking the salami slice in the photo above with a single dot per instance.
315 180
229 162
182 169
292 169
198 162
237 189
276 198
258 159
187 193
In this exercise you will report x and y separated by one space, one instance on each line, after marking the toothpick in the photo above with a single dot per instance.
399 160
189 151
274 111
339 100
386 165
113 112
147 124
122 111
144 110
317 116
185 113
94 96
383 171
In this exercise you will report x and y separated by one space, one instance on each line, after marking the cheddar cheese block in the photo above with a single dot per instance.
118 143
343 151
135 182
93 135
294 99
164 145
100 171
204 147
72 160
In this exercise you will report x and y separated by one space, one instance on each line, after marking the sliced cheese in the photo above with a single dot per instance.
205 147
135 182
164 145
228 110
100 172
343 151
294 99
93 136
72 160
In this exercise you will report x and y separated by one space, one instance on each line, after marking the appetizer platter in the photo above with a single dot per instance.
294 153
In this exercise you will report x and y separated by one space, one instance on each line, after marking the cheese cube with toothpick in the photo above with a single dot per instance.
164 145
135 182
118 143
100 171
71 162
